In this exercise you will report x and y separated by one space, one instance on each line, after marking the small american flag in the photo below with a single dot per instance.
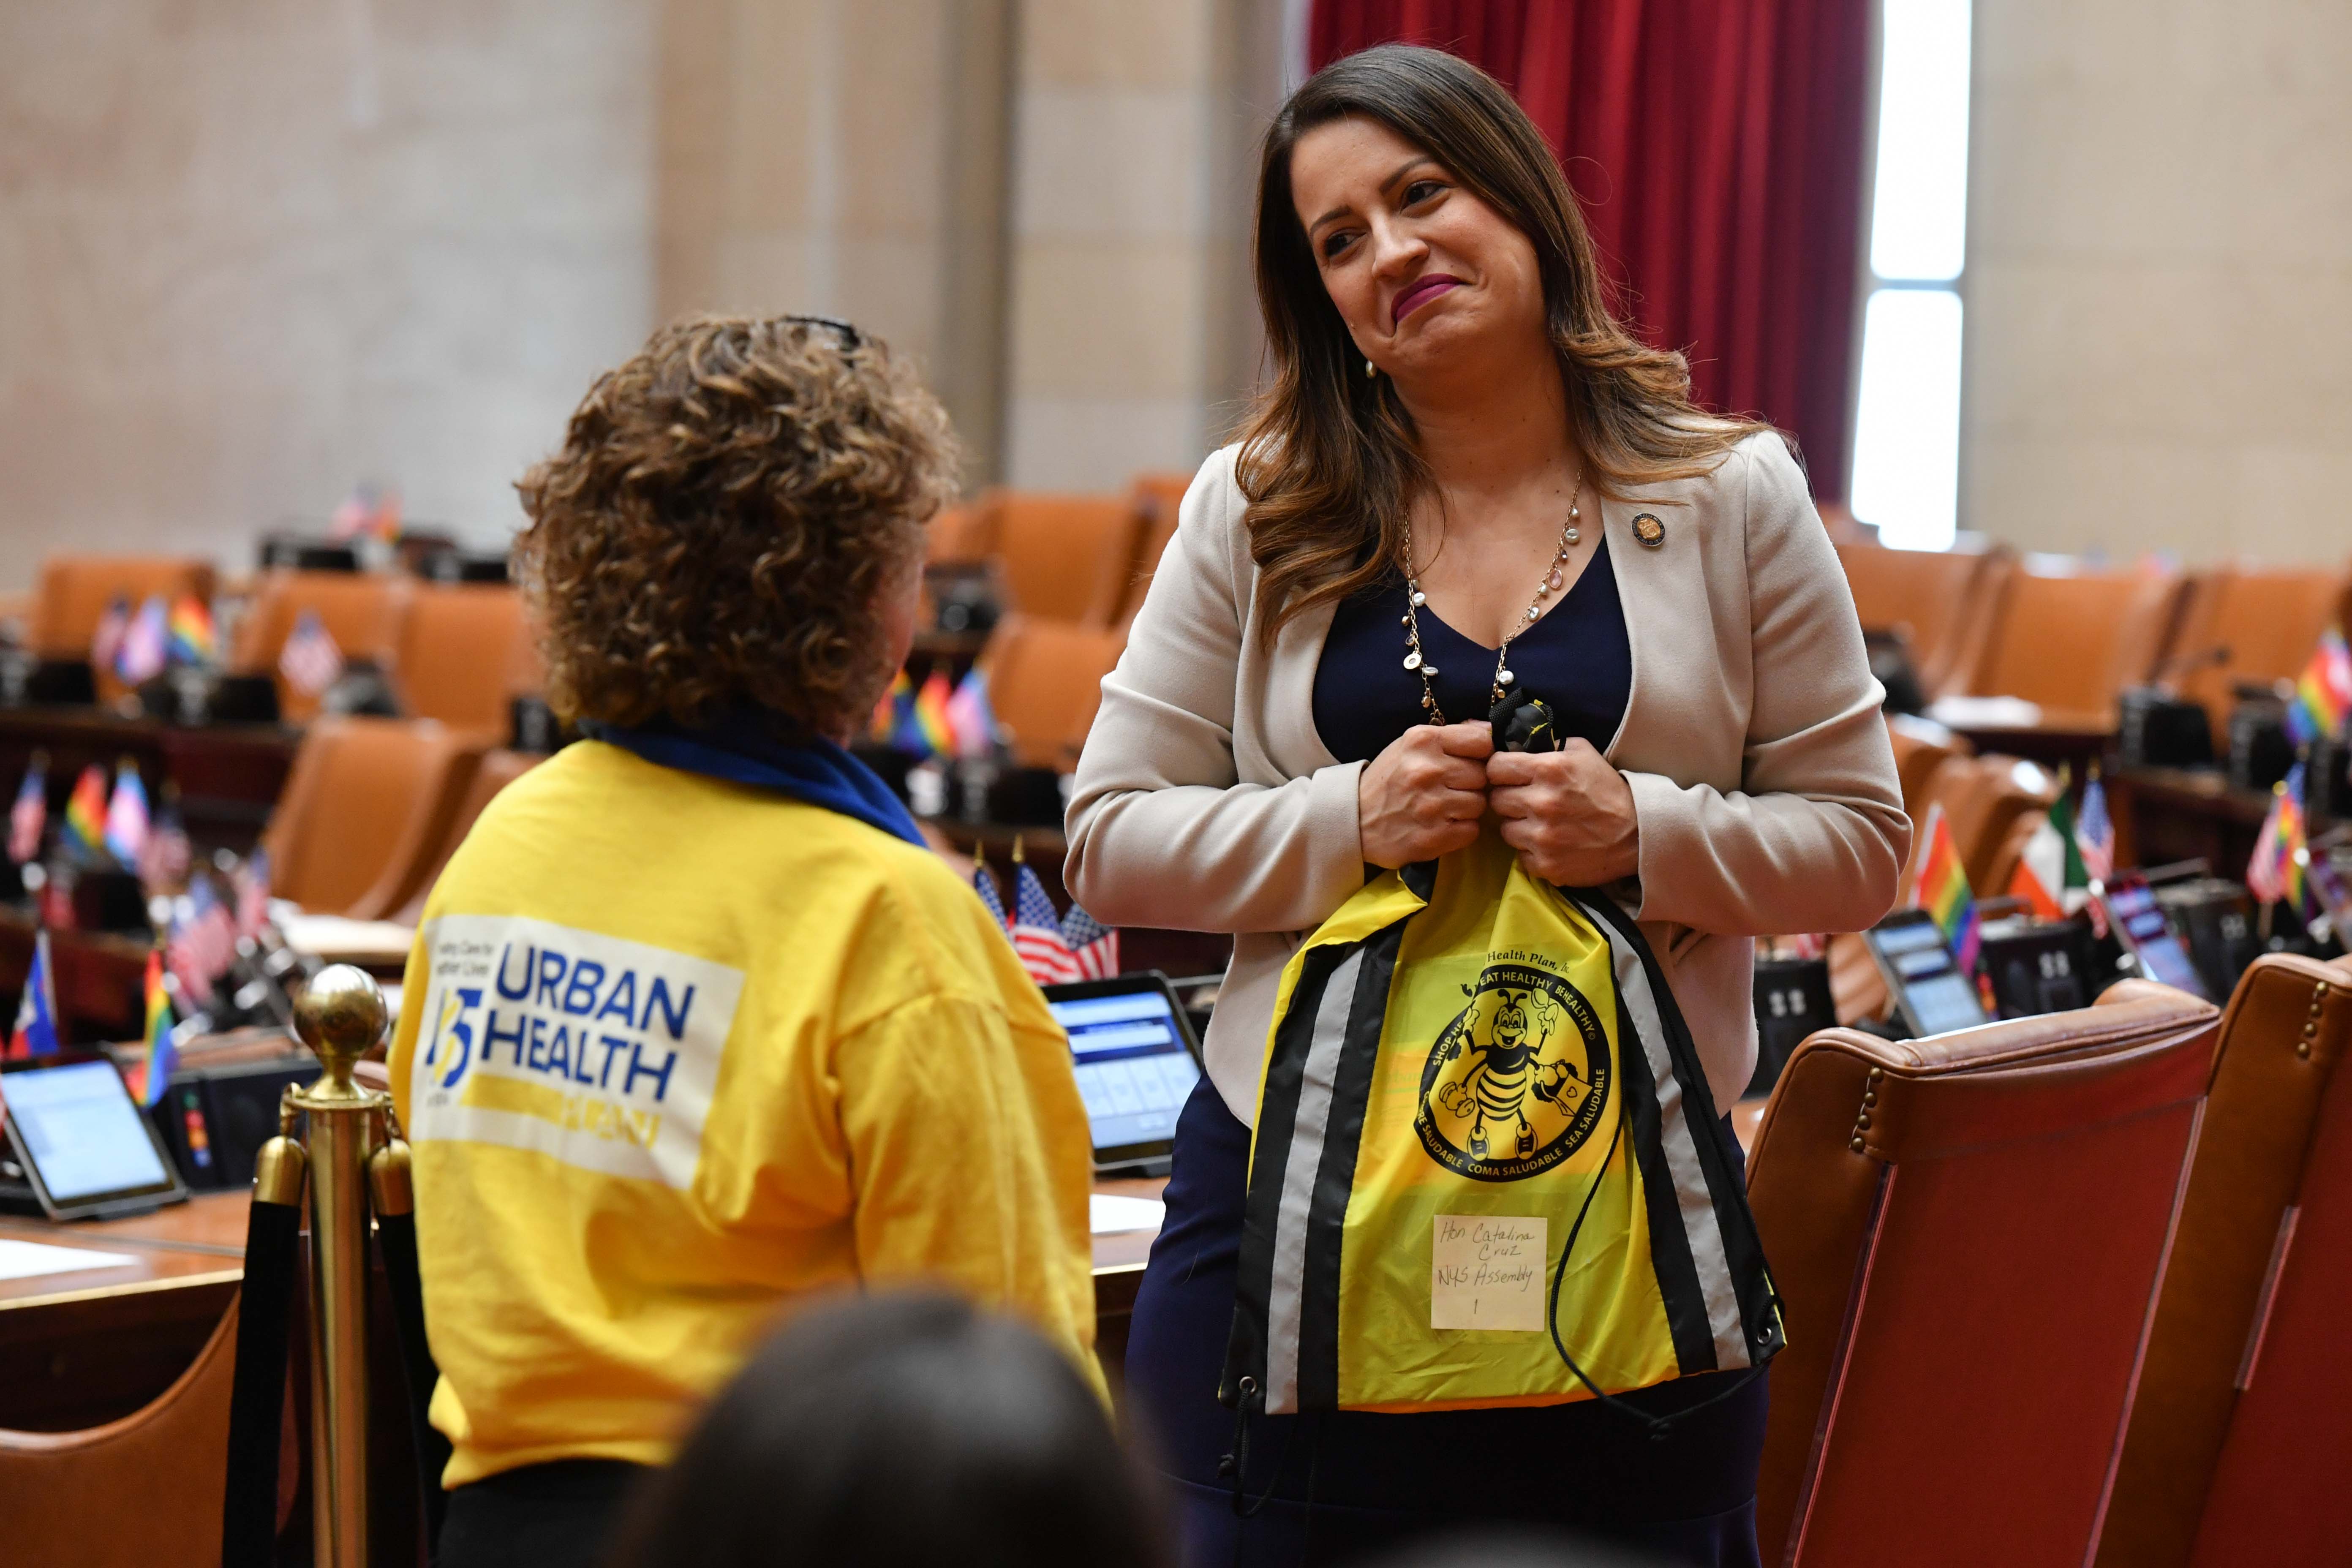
252 882
163 859
1094 946
203 944
310 661
1037 932
984 883
29 817
2094 832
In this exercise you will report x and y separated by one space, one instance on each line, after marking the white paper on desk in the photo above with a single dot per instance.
332 936
27 1260
1108 1214
1985 712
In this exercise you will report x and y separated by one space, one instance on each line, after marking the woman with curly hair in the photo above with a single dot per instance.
695 1023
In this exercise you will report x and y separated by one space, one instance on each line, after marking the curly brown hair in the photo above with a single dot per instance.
728 507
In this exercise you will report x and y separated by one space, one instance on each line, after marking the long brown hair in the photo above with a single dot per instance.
1329 460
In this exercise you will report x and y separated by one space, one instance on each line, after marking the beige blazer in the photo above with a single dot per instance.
1764 786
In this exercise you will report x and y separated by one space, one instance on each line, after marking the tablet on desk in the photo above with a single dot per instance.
1137 1063
83 1150
2140 925
1931 995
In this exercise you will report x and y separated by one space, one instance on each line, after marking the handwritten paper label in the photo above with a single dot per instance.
1486 1272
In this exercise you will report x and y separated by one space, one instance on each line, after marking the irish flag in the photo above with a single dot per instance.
1942 891
2051 876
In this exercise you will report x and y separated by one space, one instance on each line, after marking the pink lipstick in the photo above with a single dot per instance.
1419 292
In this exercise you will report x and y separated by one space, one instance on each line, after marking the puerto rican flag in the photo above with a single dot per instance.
36 1034
1038 933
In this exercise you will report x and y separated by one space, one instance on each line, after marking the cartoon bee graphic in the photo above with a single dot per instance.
1527 1086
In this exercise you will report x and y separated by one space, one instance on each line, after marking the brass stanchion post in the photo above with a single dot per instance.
341 1013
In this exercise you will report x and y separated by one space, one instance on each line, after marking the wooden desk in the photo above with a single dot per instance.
81 1349
229 775
2164 815
2076 739
98 976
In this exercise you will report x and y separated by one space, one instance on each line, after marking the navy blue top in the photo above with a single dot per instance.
1577 658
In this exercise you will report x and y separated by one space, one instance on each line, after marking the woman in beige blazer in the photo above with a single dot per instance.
1463 465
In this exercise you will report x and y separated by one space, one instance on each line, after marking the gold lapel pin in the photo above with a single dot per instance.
1648 530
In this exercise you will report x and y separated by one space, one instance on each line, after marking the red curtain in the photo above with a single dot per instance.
1716 147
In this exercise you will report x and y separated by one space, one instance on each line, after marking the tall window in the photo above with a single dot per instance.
1906 439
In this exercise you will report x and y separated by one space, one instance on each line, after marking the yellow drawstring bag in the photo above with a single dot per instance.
1486 1168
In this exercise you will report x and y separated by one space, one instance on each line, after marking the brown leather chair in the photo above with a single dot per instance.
1045 681
1942 601
1064 558
2248 623
367 802
496 770
960 536
1921 747
1857 990
1967 1232
1984 798
363 611
1157 498
2242 1416
141 1492
2072 640
77 589
464 655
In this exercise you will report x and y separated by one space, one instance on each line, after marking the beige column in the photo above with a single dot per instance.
845 158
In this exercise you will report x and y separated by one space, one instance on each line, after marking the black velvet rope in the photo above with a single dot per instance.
395 1234
257 1400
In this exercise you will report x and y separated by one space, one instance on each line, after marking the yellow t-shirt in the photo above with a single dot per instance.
673 1050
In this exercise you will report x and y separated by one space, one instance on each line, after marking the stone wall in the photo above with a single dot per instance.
255 251
2159 278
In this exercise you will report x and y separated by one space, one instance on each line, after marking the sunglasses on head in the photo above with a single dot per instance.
851 339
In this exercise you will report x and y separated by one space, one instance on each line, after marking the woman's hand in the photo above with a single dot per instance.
1423 796
1568 813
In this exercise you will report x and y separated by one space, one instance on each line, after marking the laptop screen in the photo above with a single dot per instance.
82 1133
1134 1069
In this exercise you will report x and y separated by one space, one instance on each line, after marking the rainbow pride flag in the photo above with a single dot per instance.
2323 693
885 722
84 834
1942 891
191 628
162 1053
932 714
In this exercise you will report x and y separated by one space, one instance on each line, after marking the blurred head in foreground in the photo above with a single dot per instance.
1475 1546
735 524
899 1432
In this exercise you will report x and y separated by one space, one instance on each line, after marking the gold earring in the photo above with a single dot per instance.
1370 370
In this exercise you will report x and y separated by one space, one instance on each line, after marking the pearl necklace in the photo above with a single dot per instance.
1546 586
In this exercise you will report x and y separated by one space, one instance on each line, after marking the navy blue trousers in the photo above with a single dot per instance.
1336 1485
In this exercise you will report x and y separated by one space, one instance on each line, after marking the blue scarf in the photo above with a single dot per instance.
737 749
